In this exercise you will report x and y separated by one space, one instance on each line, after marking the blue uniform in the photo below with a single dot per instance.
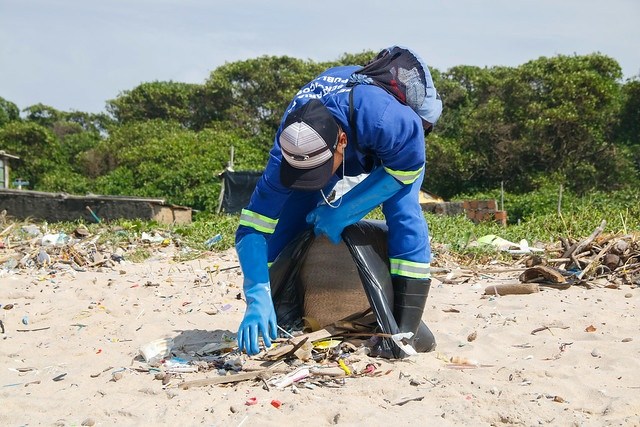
390 133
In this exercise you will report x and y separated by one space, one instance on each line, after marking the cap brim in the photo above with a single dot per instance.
306 179
431 108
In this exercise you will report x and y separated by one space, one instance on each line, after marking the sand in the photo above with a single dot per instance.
69 354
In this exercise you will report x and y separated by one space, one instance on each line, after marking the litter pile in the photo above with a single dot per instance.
29 246
317 359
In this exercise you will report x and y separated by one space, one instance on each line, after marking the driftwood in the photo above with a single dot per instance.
578 247
264 373
512 289
597 258
284 351
612 257
545 275
288 348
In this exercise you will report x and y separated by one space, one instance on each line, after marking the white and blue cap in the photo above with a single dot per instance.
308 140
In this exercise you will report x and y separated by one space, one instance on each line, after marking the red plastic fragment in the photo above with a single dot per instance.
276 403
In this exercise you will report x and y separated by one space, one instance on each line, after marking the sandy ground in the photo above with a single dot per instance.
69 355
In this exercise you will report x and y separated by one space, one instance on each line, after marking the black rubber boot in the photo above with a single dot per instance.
409 300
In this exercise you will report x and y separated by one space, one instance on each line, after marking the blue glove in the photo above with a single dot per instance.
358 202
259 317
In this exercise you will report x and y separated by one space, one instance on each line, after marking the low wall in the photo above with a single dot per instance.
54 207
476 210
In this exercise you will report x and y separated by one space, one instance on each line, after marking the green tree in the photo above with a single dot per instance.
253 94
9 112
361 58
550 116
172 101
568 106
33 143
627 134
162 159
43 115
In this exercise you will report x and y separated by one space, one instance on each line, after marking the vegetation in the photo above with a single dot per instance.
565 122
543 225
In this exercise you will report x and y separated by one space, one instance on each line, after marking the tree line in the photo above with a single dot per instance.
568 120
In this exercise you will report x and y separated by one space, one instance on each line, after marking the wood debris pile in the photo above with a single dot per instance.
598 260
31 246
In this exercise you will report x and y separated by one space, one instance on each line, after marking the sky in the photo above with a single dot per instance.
75 55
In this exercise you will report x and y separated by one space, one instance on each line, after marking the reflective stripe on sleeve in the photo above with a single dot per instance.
258 222
405 177
415 270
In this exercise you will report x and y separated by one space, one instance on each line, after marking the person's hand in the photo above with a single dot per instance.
328 221
259 319
355 204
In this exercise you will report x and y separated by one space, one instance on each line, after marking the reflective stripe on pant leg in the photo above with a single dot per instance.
414 270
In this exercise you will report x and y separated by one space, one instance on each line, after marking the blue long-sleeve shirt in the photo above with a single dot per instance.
389 131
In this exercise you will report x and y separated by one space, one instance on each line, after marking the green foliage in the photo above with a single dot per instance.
252 94
542 224
627 132
171 101
42 114
166 161
448 169
538 210
34 144
551 116
9 112
63 179
206 226
362 58
562 120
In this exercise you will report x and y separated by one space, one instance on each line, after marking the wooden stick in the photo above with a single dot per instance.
258 374
547 328
223 379
600 254
577 248
500 270
554 260
512 289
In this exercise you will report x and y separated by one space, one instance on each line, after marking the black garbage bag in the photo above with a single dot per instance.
320 282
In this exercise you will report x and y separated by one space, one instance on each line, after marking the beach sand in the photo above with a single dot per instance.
69 354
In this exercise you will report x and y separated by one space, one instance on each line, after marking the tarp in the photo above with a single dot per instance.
366 242
237 189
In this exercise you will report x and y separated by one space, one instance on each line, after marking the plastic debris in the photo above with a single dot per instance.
400 340
276 403
507 246
297 375
59 239
154 351
212 241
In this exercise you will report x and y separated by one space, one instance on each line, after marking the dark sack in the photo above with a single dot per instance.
314 278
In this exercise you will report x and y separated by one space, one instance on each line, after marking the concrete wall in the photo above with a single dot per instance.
476 210
55 207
